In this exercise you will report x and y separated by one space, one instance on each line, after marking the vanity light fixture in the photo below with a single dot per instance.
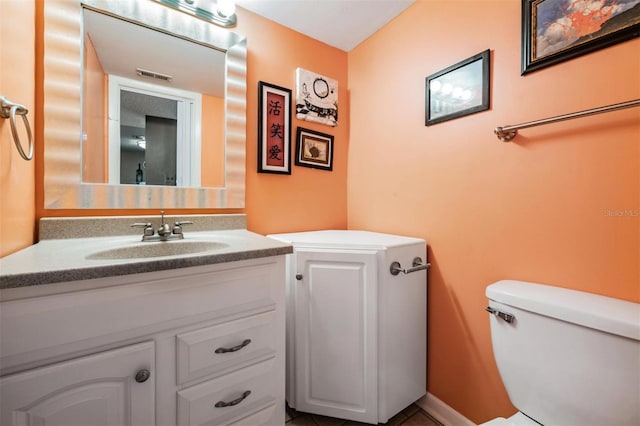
219 12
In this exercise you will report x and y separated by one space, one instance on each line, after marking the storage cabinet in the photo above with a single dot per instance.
114 387
356 333
211 337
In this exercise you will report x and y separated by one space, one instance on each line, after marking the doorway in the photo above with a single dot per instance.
172 155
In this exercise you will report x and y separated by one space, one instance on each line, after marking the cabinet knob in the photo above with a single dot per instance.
299 277
142 376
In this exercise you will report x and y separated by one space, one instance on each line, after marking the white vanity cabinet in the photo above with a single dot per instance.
210 337
356 333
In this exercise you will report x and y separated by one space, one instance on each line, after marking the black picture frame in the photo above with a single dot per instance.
314 149
545 20
458 90
274 129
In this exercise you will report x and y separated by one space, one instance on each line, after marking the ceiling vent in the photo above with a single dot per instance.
151 74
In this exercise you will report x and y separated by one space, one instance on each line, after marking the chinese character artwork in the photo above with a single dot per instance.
274 129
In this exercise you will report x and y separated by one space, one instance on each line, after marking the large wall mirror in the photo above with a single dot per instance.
129 125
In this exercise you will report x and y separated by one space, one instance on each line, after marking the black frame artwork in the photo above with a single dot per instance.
458 90
314 149
274 129
554 31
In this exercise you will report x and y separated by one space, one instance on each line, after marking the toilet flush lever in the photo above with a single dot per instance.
505 316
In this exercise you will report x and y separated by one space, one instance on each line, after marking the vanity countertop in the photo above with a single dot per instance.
56 260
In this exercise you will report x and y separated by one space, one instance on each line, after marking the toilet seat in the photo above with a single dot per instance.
517 419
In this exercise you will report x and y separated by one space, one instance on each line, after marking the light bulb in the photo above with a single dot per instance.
226 7
435 85
447 88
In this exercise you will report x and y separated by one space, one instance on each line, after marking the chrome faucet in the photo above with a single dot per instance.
165 232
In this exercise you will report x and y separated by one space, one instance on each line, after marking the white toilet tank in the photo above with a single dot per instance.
567 357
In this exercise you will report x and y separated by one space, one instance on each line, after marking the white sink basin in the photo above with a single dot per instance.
157 249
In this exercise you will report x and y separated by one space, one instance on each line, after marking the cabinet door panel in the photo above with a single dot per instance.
336 334
96 390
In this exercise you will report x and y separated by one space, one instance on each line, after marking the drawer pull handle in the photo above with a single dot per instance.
237 401
233 349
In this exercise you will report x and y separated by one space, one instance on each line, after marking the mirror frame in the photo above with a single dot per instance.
63 186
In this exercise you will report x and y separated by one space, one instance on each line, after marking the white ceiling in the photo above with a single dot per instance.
340 23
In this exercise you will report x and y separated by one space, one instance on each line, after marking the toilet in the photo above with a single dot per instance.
565 357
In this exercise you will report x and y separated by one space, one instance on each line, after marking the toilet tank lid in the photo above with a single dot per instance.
603 313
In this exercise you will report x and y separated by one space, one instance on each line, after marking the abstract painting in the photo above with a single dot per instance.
557 30
317 98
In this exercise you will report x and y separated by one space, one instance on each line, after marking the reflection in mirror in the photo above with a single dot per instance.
142 118
158 130
121 55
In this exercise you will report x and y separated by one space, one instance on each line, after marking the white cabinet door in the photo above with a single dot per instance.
336 333
96 390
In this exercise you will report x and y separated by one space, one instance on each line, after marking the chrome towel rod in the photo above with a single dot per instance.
506 133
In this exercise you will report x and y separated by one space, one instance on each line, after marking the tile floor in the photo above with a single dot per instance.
410 416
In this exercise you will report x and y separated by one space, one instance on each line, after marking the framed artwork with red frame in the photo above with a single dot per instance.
274 129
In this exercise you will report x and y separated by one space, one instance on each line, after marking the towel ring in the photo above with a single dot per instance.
9 110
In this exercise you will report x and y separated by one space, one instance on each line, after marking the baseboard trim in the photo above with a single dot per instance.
442 412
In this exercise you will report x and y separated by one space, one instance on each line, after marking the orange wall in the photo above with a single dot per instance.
308 198
534 209
17 181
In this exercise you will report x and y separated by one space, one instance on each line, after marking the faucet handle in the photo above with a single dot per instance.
177 227
148 229
140 225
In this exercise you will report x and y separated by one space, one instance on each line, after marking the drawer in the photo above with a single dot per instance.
248 393
266 416
224 347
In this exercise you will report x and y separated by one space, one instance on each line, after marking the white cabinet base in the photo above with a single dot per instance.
356 334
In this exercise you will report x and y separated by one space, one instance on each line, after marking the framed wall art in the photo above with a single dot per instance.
274 129
554 31
458 90
317 98
314 149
